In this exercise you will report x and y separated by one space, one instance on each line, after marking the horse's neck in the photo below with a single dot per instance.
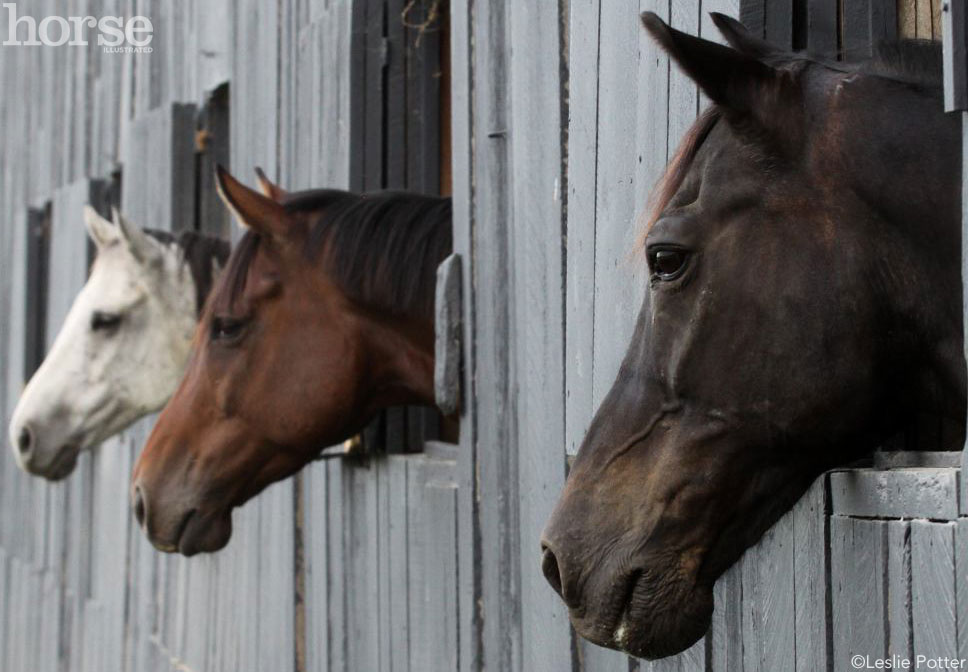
402 356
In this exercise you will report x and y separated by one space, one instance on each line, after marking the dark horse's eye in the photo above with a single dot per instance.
106 322
227 329
667 263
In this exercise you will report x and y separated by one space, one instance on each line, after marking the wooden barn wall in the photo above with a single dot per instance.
564 115
348 566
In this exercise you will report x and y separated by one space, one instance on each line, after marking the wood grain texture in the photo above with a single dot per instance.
821 28
933 588
811 558
899 588
924 493
449 334
535 126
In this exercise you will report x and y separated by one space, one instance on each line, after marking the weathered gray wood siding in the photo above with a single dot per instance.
564 115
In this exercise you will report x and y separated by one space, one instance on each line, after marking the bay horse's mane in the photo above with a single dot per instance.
914 63
382 248
199 252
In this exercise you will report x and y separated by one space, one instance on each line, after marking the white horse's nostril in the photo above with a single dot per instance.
25 441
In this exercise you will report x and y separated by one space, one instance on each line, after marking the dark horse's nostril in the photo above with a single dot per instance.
139 505
25 441
549 565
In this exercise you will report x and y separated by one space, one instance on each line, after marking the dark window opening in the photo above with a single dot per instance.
400 139
37 282
105 195
211 149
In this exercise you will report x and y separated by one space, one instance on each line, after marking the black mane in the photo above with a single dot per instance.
202 253
917 62
382 249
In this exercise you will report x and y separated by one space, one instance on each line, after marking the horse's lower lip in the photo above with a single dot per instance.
621 631
203 533
182 539
63 464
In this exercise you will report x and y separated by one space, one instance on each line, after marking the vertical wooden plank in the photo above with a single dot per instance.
810 576
955 44
923 20
338 551
899 633
536 135
462 107
841 547
432 604
276 587
936 10
616 271
398 532
858 573
822 28
933 588
490 368
726 631
907 18
752 13
583 59
768 603
961 586
856 29
883 22
779 23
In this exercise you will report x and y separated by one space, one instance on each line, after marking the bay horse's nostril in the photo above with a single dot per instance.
549 565
138 502
25 441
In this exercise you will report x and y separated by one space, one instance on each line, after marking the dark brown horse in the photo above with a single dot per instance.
323 317
805 301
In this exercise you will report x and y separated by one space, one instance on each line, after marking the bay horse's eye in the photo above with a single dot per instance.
667 264
104 322
227 329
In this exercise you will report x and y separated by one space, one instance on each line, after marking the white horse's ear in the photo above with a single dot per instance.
100 230
135 239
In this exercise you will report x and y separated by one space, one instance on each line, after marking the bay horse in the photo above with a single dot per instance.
123 345
323 317
804 251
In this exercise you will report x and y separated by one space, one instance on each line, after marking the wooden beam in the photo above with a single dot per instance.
900 493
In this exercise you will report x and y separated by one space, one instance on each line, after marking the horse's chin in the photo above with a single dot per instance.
652 624
60 467
205 533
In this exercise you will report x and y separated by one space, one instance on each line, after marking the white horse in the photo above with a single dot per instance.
123 345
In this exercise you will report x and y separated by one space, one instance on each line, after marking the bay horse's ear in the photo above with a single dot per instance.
137 242
744 87
251 209
100 230
269 188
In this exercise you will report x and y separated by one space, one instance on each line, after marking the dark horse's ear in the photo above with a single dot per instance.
746 88
268 187
251 209
740 39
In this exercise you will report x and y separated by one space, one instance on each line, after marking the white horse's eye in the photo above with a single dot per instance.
105 322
